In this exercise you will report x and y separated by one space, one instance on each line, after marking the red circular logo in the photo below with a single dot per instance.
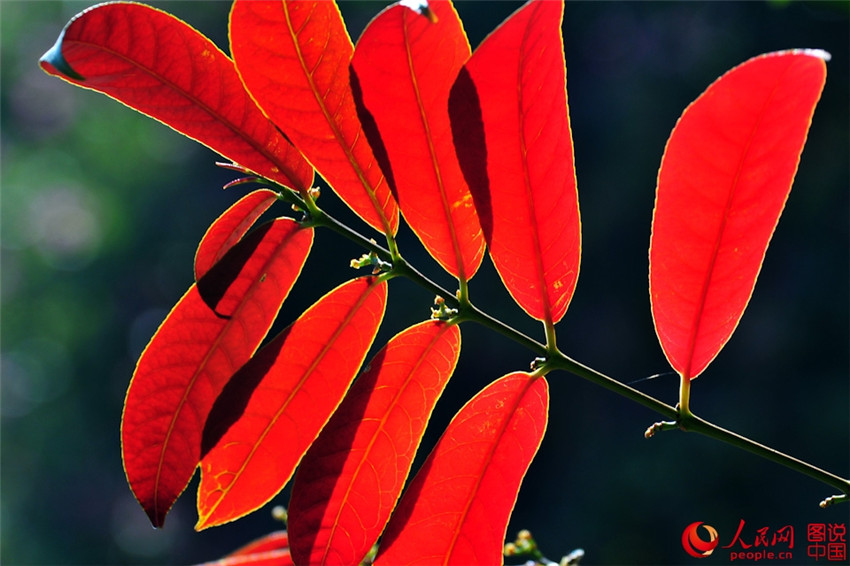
694 544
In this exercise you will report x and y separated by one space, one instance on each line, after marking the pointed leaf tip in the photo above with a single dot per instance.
422 8
53 62
193 355
818 53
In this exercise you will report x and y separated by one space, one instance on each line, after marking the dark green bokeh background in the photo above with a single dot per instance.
102 209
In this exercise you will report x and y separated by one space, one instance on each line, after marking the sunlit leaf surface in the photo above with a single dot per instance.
208 335
724 179
293 58
229 229
162 67
456 510
404 66
512 134
350 479
274 407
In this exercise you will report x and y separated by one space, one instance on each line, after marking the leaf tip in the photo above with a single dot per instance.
207 517
420 7
156 517
53 63
819 53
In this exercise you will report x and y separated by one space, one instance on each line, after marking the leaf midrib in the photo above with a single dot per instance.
347 151
704 292
394 403
197 102
295 391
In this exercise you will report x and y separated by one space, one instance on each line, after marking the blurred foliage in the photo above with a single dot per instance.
101 210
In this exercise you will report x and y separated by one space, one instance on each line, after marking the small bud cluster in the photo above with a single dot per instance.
526 547
371 259
441 311
279 514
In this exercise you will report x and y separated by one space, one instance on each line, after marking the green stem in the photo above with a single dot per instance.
551 342
681 416
692 423
466 310
463 291
684 397
561 361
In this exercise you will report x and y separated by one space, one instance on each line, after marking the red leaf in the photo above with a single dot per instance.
275 406
266 558
293 58
160 66
230 227
199 346
405 66
724 179
352 476
511 96
456 510
270 550
277 540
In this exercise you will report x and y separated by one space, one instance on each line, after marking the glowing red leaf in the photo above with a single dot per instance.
276 405
293 58
350 479
162 67
208 335
724 179
277 540
279 557
230 227
405 66
270 550
456 510
512 135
